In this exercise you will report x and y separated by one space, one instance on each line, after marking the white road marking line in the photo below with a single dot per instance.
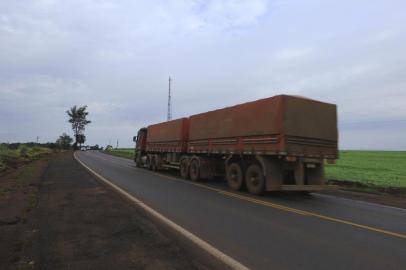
230 262
285 208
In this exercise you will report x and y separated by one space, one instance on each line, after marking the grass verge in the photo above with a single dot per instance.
122 152
13 158
371 171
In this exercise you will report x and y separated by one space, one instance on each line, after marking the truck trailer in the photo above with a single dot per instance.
276 143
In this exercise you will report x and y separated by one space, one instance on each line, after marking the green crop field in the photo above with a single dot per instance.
373 168
122 152
377 168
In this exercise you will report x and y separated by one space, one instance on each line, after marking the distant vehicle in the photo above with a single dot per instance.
277 143
84 148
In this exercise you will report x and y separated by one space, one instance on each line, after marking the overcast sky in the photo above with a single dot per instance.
116 56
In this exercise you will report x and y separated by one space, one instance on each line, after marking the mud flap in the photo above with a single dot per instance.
315 176
272 170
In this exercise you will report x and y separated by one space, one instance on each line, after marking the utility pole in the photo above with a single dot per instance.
37 139
169 116
117 144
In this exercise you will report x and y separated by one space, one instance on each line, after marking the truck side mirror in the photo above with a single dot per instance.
134 138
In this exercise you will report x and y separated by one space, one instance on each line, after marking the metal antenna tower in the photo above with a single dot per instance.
169 116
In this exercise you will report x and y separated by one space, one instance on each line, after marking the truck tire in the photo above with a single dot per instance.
148 162
235 176
138 161
154 164
184 168
254 179
194 170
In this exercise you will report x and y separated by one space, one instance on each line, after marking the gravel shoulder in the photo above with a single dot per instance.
77 223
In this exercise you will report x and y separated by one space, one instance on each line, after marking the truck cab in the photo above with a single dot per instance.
140 145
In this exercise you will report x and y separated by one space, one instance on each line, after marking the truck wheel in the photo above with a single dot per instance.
234 176
254 179
184 169
149 162
194 170
154 164
138 161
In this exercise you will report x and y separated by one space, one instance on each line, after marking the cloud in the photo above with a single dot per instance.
293 54
233 13
116 56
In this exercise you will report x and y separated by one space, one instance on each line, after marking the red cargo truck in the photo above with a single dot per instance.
277 143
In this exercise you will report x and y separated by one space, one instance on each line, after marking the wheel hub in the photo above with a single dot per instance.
254 180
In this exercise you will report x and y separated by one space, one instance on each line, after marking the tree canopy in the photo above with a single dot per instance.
64 141
78 119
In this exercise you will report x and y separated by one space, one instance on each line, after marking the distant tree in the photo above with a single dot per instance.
78 119
51 145
95 147
80 139
109 147
64 141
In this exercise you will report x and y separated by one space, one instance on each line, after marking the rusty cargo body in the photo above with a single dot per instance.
171 136
164 140
277 143
280 124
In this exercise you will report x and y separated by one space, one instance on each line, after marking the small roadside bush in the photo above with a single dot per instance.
23 151
2 166
12 157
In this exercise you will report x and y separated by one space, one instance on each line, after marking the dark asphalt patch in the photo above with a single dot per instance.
80 224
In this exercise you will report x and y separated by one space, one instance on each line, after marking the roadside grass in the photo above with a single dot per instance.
4 191
23 154
122 152
2 166
372 168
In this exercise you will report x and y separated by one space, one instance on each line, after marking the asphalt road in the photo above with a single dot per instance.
270 232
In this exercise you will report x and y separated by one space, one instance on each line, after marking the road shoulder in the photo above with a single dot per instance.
78 223
19 191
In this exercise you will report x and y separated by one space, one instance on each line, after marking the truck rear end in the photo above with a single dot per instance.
284 138
309 128
308 138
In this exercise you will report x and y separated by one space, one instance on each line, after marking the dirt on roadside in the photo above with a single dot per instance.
18 198
79 224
